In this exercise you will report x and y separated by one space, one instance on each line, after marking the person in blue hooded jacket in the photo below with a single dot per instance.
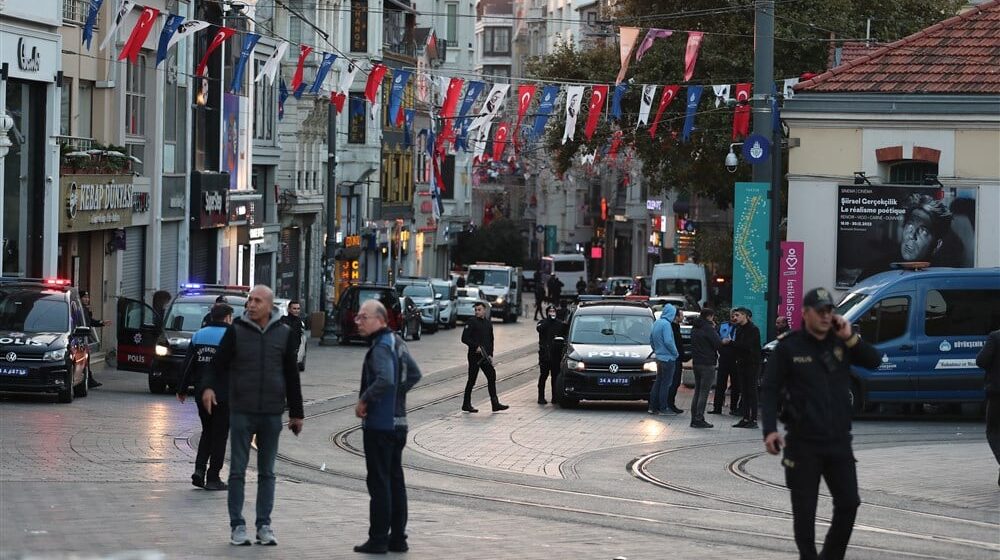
661 338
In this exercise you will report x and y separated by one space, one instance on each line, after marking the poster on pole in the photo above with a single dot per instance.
752 219
790 269
881 224
231 140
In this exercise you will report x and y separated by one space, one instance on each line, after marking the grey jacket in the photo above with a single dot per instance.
263 368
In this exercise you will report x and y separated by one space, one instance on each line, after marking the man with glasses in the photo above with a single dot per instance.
810 375
478 336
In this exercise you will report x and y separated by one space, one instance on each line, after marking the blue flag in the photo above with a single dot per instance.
324 69
399 80
282 96
248 44
88 28
545 107
693 97
472 92
297 94
408 115
616 101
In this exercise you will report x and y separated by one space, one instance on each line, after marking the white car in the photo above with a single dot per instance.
467 299
446 295
281 304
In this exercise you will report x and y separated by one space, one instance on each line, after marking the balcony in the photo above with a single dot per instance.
74 143
75 12
398 22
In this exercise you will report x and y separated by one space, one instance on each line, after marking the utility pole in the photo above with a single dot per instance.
330 260
763 172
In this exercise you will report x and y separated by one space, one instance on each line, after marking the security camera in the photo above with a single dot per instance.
731 161
238 7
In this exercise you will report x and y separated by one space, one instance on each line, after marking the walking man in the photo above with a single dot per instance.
203 356
548 363
705 343
727 370
263 379
478 336
539 294
989 360
581 287
810 373
747 346
388 373
661 338
555 287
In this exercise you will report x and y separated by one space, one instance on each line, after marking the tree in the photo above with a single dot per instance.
500 241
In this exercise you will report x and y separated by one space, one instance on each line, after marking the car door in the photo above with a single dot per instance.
137 334
888 325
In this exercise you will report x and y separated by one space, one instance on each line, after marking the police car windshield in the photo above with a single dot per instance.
33 311
484 277
611 329
188 315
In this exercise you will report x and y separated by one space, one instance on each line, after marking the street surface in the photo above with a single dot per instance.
110 475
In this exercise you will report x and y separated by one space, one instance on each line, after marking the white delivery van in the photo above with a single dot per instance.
568 268
681 279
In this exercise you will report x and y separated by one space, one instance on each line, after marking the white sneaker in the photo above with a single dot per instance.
239 536
265 536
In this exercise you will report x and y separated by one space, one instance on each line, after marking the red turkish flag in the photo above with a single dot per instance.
616 142
669 92
134 43
374 81
500 140
691 53
297 76
741 116
597 98
524 94
451 96
220 37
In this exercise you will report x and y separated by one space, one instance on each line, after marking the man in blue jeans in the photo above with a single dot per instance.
661 338
263 377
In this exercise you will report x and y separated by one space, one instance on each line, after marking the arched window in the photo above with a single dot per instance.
911 172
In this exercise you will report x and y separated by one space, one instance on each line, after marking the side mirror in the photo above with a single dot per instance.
437 296
82 332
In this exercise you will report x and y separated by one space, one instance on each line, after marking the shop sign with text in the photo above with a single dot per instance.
96 202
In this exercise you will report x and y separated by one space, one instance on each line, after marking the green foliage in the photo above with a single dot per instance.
802 33
500 241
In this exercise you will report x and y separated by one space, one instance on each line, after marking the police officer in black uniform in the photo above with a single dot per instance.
478 336
548 363
809 373
747 347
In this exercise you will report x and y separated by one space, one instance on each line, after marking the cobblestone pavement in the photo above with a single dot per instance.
109 474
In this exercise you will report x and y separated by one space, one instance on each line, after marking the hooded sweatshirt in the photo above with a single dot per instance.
661 338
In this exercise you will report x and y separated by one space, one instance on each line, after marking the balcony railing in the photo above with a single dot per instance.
75 143
76 11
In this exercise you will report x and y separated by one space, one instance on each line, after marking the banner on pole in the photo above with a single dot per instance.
752 216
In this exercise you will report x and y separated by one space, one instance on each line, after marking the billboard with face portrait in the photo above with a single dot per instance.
882 224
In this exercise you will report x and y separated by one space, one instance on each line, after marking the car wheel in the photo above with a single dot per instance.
66 395
157 387
420 328
560 395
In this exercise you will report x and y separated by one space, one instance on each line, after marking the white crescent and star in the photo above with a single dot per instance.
596 99
151 16
525 99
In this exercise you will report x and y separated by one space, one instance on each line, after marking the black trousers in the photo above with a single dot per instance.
726 375
993 423
675 384
214 434
539 305
477 362
804 465
387 510
748 391
548 368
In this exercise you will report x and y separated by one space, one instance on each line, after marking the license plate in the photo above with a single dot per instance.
13 371
612 380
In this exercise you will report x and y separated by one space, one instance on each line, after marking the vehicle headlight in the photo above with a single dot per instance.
500 300
574 364
649 367
54 355
162 350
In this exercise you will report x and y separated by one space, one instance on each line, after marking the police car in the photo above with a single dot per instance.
607 354
44 338
158 346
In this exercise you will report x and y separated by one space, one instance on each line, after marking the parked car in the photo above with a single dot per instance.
617 285
421 291
467 299
402 319
44 338
281 304
446 295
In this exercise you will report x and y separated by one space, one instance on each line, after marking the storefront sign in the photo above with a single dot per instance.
791 269
96 202
174 201
210 194
359 26
29 54
257 233
242 208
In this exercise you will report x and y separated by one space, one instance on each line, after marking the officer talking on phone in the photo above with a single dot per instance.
810 375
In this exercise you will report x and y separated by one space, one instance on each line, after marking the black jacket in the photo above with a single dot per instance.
548 330
203 361
705 343
298 328
555 286
682 349
812 378
747 347
989 359
478 333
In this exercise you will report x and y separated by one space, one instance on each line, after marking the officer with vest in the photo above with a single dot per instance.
810 374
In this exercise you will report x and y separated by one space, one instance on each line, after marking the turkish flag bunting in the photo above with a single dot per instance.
297 76
451 96
597 99
669 92
691 53
500 140
524 94
374 81
220 37
741 116
134 43
436 168
616 142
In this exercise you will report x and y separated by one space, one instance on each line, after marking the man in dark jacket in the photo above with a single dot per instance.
705 343
548 362
295 322
555 287
203 352
581 287
682 357
539 294
263 378
478 336
388 373
810 372
747 346
989 360
94 324
727 370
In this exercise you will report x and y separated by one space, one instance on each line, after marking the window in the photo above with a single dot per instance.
911 172
137 151
135 98
592 19
961 312
496 71
85 109
264 109
886 320
356 119
496 41
65 106
452 23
